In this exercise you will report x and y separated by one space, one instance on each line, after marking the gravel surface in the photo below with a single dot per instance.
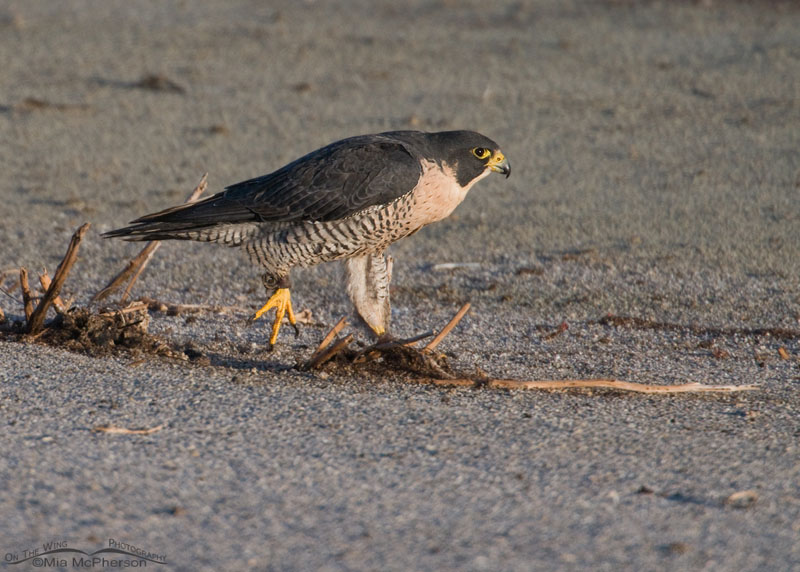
656 176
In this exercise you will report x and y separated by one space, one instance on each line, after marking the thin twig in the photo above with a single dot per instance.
446 330
127 272
7 272
141 263
374 351
44 280
414 339
12 287
27 298
125 430
403 342
326 341
329 353
552 385
37 318
136 266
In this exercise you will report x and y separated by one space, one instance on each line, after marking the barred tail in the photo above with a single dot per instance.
229 235
214 219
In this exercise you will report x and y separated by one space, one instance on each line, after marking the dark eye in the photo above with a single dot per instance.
481 152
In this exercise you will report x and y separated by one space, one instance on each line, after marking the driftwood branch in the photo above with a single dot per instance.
37 318
555 385
136 266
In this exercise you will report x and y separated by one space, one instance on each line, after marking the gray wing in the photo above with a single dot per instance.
328 184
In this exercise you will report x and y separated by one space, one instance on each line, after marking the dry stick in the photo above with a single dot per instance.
590 383
27 299
414 339
127 272
446 330
136 266
326 341
374 351
44 280
37 318
330 352
395 343
126 431
142 260
319 358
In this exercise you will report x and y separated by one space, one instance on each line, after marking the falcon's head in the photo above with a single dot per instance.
469 154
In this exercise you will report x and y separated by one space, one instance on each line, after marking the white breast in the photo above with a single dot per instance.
437 194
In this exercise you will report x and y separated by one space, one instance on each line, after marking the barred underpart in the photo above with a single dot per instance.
308 243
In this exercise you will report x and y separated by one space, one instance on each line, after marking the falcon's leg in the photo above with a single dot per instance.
368 279
281 300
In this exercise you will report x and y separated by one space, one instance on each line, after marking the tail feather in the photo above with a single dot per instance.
144 231
230 234
210 220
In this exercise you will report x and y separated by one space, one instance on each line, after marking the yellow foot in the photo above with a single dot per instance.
281 300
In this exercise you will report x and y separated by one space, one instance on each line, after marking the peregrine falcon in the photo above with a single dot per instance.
349 200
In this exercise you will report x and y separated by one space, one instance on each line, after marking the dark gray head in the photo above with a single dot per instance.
468 153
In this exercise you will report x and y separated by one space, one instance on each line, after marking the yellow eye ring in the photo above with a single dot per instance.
481 152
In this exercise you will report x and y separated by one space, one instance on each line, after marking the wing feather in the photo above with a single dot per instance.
331 183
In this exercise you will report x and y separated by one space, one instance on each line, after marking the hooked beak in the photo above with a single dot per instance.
499 164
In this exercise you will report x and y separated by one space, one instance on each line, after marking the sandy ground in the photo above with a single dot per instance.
656 157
